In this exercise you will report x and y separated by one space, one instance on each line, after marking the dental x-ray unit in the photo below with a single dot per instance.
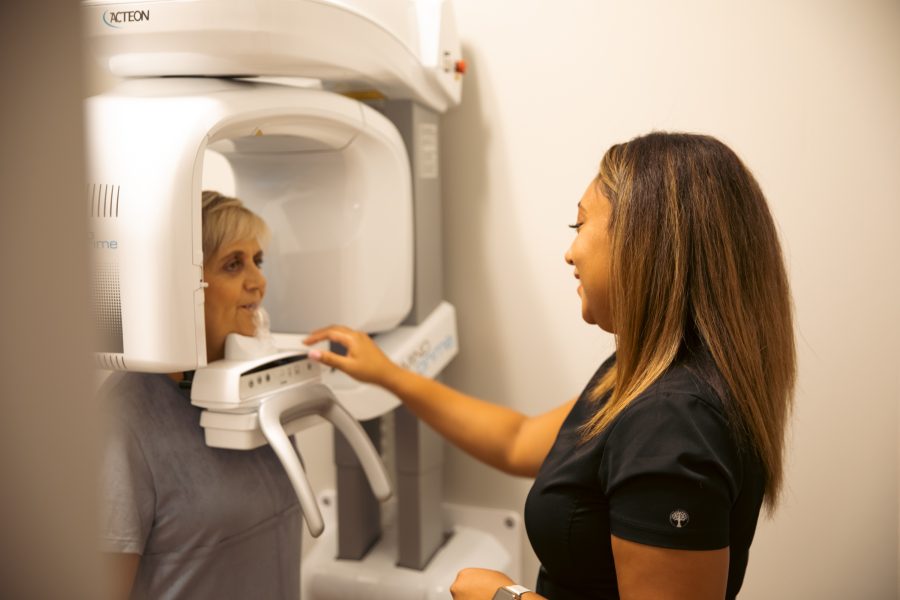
351 194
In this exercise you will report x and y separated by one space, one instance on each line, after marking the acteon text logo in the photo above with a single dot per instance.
115 19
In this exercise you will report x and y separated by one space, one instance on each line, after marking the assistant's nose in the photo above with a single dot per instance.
568 257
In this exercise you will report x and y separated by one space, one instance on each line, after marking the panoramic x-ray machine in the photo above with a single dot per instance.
350 189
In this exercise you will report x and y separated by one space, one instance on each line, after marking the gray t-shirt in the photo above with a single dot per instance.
207 522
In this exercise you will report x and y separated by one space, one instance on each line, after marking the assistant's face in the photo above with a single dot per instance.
236 288
590 255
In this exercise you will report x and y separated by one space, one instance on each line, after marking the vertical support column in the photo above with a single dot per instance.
419 450
358 511
419 128
420 463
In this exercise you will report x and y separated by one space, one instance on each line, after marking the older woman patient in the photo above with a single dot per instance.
181 519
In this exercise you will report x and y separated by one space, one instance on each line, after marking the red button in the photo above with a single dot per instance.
461 67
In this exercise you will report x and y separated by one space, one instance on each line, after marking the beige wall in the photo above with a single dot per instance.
47 430
808 93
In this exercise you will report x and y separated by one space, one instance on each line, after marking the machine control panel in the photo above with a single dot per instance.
271 376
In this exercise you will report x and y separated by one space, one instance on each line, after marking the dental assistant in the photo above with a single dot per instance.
649 484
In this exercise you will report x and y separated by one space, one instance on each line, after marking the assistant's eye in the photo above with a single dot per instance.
258 260
577 226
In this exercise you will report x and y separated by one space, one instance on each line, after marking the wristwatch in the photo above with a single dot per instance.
510 592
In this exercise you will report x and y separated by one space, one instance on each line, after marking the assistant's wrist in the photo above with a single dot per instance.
392 377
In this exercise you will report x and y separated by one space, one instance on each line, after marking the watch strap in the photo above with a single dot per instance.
511 592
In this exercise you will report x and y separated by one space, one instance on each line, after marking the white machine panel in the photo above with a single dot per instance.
329 174
403 49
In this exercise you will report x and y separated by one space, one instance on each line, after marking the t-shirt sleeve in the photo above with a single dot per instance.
127 493
671 472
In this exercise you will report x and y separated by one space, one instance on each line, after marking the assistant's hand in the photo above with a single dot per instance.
478 584
364 360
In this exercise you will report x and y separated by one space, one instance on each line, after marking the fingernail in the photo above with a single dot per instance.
315 355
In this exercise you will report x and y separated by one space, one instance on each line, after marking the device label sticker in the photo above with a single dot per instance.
427 150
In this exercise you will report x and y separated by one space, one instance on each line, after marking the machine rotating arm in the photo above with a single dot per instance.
302 402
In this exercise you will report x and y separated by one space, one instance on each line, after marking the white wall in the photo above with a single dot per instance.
808 93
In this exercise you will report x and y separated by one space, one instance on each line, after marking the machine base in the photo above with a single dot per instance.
479 537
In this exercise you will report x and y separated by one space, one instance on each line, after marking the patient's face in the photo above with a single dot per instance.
236 288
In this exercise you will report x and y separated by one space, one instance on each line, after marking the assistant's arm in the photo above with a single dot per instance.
499 436
650 572
665 452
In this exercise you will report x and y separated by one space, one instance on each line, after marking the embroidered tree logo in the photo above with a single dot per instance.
679 518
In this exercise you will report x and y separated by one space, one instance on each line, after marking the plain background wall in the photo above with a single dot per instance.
48 429
808 94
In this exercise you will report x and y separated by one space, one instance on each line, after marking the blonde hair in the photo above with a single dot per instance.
696 263
227 220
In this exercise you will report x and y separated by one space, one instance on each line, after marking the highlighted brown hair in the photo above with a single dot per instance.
696 259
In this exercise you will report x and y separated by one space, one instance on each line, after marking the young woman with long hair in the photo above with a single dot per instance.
650 483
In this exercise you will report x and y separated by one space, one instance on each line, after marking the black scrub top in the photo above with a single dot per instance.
666 472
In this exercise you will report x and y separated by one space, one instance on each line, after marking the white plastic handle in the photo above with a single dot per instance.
270 413
362 446
300 402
